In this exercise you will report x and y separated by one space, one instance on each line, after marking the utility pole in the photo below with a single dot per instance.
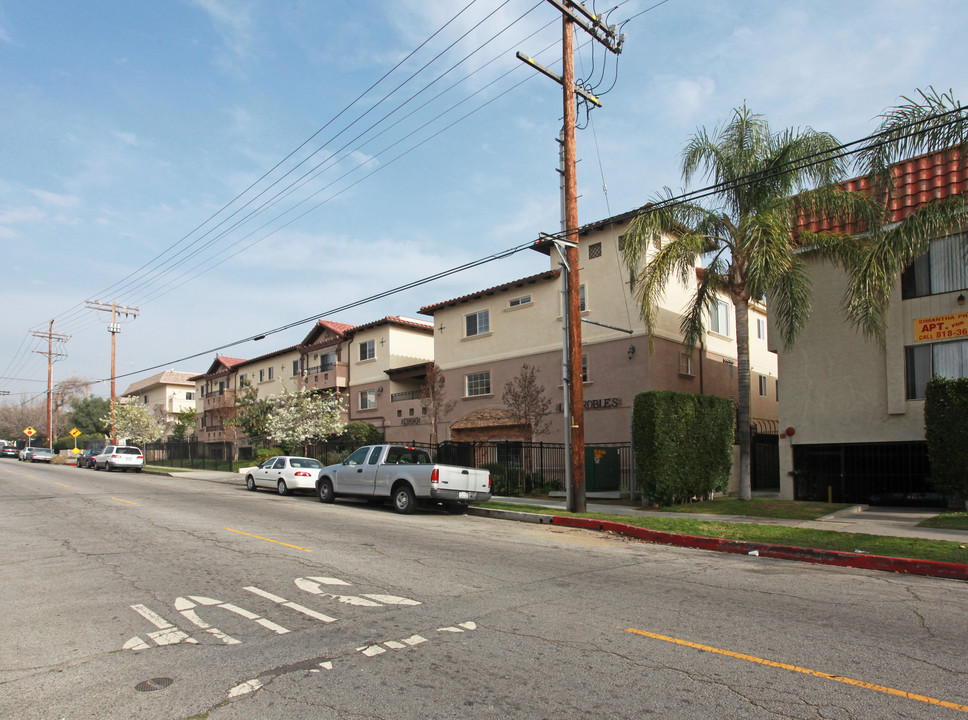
114 328
574 13
51 337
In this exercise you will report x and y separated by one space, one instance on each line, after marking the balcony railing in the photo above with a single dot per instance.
329 376
406 395
220 399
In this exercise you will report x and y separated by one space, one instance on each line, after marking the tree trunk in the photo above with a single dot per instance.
743 395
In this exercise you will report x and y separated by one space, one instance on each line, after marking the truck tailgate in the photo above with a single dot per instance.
452 477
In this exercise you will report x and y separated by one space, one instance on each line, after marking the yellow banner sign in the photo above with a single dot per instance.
75 432
29 431
943 327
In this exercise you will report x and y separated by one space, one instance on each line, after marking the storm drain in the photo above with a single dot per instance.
153 684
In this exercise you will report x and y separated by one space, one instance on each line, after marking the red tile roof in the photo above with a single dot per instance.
397 320
530 280
918 182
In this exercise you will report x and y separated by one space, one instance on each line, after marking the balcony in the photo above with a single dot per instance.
220 399
331 376
406 395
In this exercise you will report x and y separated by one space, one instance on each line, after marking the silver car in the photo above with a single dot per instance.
41 455
120 457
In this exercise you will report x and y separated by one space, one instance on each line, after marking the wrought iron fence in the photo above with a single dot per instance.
517 468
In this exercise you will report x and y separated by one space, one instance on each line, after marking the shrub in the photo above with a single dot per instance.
946 431
58 460
263 454
683 445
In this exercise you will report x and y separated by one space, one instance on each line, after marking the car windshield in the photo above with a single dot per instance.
305 463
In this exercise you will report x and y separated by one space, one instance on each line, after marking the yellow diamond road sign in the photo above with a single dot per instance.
30 432
75 432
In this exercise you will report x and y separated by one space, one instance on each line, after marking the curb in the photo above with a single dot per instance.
930 568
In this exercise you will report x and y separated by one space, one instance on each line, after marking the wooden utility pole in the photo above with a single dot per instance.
51 337
114 328
574 13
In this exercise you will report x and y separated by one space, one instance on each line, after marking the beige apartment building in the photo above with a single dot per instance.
852 412
169 393
483 339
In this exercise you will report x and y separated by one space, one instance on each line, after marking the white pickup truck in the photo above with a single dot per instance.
406 475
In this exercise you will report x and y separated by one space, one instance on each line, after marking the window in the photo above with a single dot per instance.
367 399
776 389
584 368
358 457
523 300
295 367
145 398
923 362
271 374
581 298
594 251
762 380
719 318
761 328
685 363
243 380
262 376
477 323
189 395
941 269
367 350
478 383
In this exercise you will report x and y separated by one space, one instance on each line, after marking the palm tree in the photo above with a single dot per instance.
765 184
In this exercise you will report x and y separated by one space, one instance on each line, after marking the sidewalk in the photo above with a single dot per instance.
892 522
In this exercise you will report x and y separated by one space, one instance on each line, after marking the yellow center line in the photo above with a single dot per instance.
125 501
269 540
805 671
61 484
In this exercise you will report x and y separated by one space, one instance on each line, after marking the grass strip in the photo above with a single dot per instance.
947 521
915 548
761 507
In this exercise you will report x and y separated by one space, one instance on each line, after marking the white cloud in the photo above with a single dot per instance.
59 200
687 98
233 21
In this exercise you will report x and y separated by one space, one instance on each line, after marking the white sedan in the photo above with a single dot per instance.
285 474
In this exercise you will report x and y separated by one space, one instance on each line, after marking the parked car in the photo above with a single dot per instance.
27 452
120 457
41 455
405 475
86 458
9 451
285 474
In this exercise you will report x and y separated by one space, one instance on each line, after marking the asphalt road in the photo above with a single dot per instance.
135 596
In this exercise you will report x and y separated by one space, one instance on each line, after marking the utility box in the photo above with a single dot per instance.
603 470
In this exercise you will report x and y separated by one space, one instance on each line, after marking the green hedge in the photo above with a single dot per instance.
683 445
946 430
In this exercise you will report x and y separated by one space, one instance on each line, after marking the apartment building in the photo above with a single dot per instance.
169 392
852 412
483 339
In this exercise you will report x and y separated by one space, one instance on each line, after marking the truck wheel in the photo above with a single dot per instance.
282 488
324 490
250 483
457 508
403 499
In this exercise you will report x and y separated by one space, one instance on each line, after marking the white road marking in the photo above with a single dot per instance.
244 688
135 643
328 665
186 605
392 599
414 640
394 645
291 605
460 628
312 585
167 634
371 650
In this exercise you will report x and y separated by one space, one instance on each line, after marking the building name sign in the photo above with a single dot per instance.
599 404
943 327
410 421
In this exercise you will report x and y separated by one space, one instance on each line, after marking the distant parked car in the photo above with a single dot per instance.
28 453
9 451
285 474
41 455
86 458
120 457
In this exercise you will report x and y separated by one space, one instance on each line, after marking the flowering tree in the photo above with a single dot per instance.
302 416
137 422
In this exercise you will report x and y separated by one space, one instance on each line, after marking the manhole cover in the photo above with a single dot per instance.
153 684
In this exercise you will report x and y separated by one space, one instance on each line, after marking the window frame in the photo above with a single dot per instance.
477 317
367 399
477 378
367 350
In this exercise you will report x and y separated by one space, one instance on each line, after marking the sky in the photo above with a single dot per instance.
232 167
